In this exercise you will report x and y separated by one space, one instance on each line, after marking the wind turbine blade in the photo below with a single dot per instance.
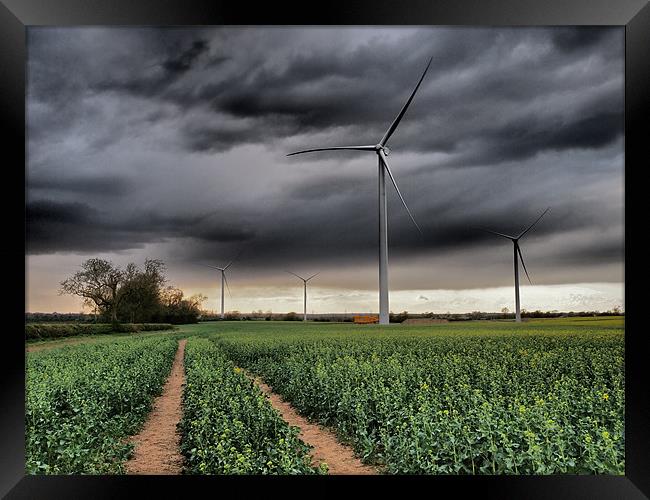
398 118
313 276
523 263
390 174
536 221
208 265
498 234
227 286
233 260
295 275
354 148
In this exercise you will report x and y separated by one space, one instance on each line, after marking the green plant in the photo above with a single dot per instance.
228 425
548 398
82 402
35 331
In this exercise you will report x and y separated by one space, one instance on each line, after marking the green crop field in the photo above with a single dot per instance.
82 401
541 397
221 402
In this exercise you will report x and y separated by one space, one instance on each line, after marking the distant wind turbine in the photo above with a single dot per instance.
305 280
517 252
224 281
382 152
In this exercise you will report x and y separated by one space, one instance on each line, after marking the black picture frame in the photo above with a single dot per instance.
16 15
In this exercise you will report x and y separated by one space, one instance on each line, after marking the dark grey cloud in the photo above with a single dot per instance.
98 185
156 78
54 226
183 62
177 137
570 39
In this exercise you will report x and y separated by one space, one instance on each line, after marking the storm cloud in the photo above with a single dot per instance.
174 140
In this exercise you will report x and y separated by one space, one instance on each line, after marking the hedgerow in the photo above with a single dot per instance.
34 331
143 327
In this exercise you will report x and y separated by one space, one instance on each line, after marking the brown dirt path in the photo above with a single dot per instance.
157 445
326 447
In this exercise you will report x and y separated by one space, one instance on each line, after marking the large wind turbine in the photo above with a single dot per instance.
224 281
305 280
382 151
517 252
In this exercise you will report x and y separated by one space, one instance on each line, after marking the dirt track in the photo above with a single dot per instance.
157 452
157 445
339 458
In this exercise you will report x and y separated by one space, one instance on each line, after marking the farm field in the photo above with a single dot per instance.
82 401
541 397
220 401
545 397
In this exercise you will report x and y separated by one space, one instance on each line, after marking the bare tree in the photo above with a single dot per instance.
196 300
98 283
132 293
171 296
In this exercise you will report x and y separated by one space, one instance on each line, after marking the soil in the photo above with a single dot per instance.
157 445
326 447
424 321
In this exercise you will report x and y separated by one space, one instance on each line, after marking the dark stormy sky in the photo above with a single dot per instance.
171 144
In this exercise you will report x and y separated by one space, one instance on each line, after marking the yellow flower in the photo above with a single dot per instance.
424 386
606 434
605 396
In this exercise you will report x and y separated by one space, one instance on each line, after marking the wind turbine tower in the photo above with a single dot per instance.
224 281
517 256
382 151
305 280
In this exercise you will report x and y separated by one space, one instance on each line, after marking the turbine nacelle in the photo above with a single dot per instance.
515 240
385 149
